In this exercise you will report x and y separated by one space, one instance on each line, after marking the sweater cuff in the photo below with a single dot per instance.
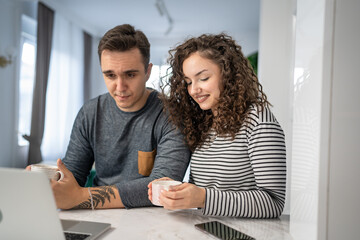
208 195
134 194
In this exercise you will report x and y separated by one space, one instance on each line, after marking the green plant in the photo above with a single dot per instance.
253 59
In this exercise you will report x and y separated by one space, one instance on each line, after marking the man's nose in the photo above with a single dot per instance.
120 84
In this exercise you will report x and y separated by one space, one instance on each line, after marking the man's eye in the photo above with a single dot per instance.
110 75
131 75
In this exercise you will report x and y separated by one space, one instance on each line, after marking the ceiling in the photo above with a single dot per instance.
190 17
238 18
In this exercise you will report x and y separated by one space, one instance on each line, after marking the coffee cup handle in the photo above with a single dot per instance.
61 175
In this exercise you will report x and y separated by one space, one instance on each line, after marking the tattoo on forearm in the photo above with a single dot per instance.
100 195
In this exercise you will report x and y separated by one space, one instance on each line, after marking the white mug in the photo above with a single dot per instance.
51 172
157 186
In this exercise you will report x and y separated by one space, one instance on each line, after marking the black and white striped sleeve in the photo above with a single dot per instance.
267 154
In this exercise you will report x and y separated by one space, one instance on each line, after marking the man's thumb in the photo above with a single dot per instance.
62 166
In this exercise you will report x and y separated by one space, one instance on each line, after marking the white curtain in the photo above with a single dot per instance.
64 95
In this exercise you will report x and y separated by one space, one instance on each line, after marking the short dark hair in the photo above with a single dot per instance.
125 37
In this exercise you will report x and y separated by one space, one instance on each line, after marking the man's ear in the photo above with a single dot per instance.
148 71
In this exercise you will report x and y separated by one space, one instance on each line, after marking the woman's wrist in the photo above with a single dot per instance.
203 197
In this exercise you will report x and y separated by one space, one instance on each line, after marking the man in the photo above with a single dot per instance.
125 132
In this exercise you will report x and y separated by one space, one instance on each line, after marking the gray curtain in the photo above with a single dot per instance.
45 21
87 65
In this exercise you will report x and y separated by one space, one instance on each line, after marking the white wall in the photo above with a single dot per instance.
275 68
344 131
9 39
322 96
307 118
97 85
249 42
326 135
11 155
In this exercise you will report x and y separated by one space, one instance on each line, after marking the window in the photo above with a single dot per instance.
159 74
27 77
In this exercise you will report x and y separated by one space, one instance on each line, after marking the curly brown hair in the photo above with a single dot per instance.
240 89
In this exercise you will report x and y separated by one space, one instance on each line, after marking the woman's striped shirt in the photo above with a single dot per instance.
244 177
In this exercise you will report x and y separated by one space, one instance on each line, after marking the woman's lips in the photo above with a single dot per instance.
201 98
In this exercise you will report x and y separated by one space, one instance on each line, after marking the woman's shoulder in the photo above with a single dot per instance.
261 114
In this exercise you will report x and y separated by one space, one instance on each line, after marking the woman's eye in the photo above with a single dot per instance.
188 83
204 79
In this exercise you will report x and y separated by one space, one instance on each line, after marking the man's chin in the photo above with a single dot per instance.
122 105
126 107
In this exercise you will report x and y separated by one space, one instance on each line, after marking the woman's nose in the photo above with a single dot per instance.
194 88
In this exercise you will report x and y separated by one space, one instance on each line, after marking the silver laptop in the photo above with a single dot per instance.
28 210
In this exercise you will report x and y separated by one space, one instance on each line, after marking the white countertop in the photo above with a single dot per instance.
158 223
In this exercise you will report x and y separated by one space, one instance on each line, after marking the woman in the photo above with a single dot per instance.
238 165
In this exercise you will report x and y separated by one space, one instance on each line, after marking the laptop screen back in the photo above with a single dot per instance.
27 206
28 209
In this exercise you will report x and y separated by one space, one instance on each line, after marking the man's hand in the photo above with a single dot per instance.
67 192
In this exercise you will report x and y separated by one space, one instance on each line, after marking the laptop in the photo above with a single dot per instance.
28 210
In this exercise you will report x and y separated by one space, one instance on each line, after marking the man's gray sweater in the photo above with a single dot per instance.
129 149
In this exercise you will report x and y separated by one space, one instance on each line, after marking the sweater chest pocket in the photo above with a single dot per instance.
146 162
